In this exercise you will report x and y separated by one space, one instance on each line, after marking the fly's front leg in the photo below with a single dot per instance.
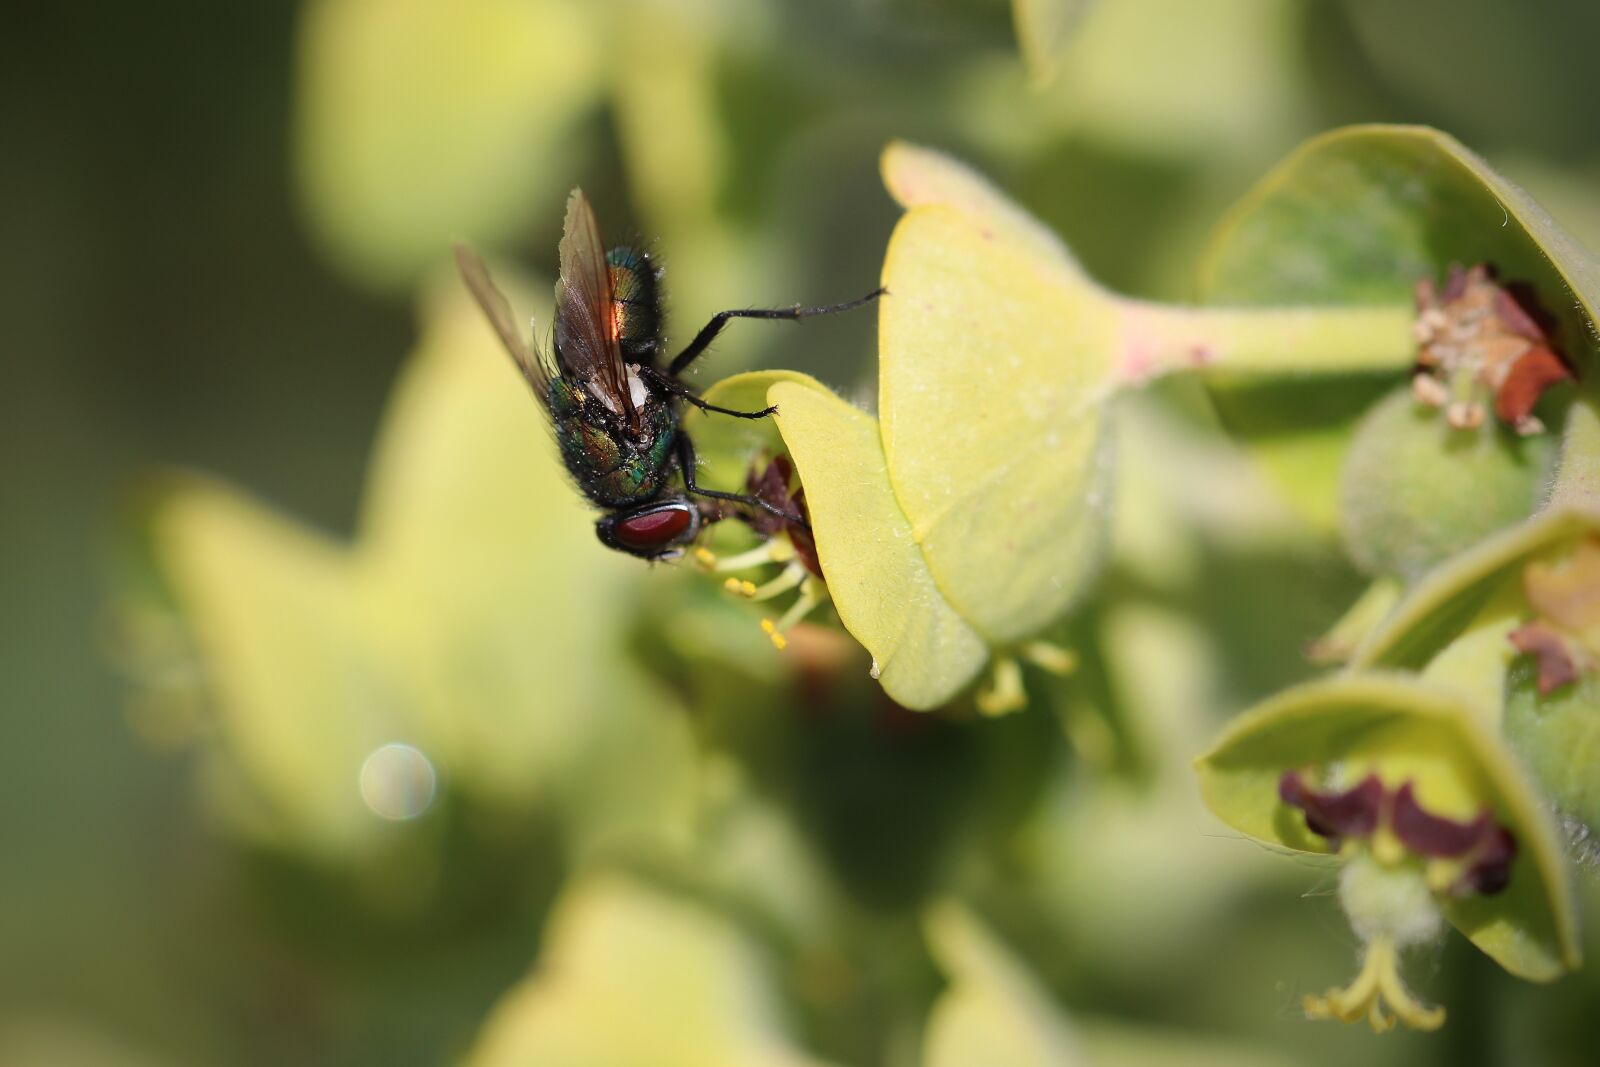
671 385
709 331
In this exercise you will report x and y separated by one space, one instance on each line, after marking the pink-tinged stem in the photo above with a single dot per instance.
1161 338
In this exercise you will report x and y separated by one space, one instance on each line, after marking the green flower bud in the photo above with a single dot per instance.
1415 490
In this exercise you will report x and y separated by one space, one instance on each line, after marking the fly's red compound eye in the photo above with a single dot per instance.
651 531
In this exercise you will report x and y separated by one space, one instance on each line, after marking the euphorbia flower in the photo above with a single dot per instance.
1474 336
785 542
1397 853
1431 817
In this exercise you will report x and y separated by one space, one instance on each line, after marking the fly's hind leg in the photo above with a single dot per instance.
686 460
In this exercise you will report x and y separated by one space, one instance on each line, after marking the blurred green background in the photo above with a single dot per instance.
216 223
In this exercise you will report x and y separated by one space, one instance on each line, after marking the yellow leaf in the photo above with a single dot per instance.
420 124
879 579
995 373
994 1011
1406 728
633 977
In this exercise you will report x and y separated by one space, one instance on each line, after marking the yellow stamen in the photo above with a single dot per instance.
770 628
1005 693
1378 984
705 557
777 550
812 593
1049 657
740 587
755 557
791 576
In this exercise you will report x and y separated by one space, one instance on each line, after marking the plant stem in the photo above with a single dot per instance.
1161 338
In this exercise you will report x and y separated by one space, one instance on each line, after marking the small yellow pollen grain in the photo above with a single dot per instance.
732 586
705 556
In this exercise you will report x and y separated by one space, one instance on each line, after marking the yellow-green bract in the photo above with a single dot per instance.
995 368
691 988
970 513
1407 728
452 621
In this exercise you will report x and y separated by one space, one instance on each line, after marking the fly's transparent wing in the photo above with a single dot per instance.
497 309
586 333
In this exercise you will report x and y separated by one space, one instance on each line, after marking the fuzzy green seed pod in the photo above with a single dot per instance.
1415 490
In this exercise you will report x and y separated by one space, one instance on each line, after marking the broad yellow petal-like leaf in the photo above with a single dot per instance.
1406 728
988 470
728 447
633 977
475 616
302 694
888 599
920 177
1043 29
469 538
994 379
420 124
994 1011
674 131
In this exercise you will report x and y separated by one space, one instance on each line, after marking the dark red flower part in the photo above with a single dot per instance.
1492 334
1427 834
805 545
1335 815
1486 847
771 483
1514 318
1490 871
1549 648
1535 371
